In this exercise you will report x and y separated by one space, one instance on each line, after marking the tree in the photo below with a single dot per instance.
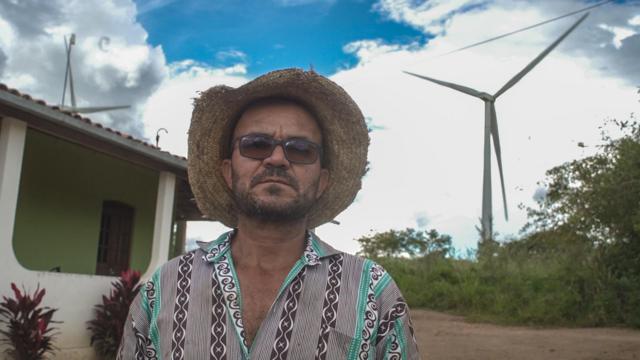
411 242
591 212
598 196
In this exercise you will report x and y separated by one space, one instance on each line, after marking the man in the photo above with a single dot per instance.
272 159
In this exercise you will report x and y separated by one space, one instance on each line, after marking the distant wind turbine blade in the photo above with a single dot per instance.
539 58
496 145
464 89
526 28
94 109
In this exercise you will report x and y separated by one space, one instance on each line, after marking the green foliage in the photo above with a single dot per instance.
411 242
598 196
544 279
28 331
111 315
576 263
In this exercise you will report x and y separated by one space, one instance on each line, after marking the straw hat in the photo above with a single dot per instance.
345 139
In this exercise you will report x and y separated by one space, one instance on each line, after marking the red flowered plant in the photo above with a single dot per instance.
28 333
111 315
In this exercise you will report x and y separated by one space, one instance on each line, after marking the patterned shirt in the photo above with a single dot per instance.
331 305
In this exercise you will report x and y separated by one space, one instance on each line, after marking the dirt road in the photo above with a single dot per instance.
443 336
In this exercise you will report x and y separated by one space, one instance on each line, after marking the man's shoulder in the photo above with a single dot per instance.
205 250
326 251
174 264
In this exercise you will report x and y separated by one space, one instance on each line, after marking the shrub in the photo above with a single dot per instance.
111 315
28 332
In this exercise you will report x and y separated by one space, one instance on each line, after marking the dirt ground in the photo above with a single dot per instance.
442 336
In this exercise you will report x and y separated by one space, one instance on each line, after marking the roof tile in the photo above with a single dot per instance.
5 88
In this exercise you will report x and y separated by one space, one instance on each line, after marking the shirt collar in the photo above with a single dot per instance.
314 251
215 249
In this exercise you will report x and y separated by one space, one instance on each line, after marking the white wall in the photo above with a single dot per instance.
74 295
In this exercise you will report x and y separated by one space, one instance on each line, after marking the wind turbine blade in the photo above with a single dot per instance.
464 89
94 109
526 28
539 58
496 145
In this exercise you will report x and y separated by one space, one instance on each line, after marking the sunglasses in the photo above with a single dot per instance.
296 150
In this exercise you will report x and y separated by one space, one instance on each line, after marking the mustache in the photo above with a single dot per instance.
275 172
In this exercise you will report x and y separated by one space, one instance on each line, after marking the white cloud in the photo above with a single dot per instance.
129 59
32 47
126 69
428 16
367 50
429 157
483 19
427 162
619 34
21 81
426 166
237 69
231 54
170 106
7 35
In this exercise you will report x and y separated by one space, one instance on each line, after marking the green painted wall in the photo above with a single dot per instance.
62 188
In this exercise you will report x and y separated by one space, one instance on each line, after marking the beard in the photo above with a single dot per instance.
248 204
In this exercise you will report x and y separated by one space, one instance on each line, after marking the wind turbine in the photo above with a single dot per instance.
68 79
491 130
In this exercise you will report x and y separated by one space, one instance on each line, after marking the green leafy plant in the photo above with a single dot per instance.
28 333
411 242
111 315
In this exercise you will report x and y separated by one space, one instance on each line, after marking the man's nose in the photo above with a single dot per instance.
277 157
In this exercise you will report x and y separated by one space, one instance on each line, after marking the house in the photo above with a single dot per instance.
80 202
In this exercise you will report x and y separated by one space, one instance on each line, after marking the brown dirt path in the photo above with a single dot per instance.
443 336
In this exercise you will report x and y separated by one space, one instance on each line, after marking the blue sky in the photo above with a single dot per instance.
271 34
426 152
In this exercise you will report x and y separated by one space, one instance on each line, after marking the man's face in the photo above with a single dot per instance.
274 189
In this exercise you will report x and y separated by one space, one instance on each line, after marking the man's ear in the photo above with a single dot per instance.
226 171
323 182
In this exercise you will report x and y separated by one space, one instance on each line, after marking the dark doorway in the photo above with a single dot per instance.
114 246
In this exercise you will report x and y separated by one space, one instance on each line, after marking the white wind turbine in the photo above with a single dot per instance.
491 130
68 79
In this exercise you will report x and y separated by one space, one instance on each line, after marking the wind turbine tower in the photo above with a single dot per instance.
491 130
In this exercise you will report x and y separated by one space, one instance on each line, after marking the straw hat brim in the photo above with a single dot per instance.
345 140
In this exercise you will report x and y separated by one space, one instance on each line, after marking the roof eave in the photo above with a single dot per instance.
30 107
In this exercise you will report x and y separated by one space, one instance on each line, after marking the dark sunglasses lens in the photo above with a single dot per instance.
256 147
301 151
